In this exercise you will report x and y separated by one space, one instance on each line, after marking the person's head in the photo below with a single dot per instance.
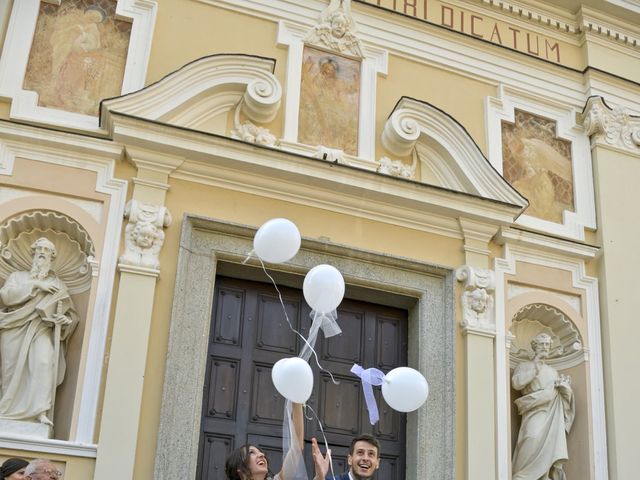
364 456
44 251
247 463
541 345
13 469
42 469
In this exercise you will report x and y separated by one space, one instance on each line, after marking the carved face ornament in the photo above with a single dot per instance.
339 25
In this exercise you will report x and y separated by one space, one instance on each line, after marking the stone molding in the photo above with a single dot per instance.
17 47
144 236
413 123
216 83
503 108
477 300
611 126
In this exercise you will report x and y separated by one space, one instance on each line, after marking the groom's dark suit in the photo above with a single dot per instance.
344 476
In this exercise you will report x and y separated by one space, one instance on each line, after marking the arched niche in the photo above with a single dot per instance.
568 356
75 265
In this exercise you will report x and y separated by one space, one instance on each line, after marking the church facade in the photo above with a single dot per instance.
468 166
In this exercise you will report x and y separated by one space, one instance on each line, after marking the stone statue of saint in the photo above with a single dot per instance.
547 407
36 319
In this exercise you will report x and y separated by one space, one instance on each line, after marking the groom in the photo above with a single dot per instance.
363 459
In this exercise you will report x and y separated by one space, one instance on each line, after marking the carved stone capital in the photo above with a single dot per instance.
611 126
477 300
144 235
336 30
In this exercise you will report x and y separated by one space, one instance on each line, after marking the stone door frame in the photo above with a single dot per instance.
209 247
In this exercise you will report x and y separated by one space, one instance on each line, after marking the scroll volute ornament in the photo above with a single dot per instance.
613 126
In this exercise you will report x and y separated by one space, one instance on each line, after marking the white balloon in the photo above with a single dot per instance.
277 240
293 379
323 288
405 389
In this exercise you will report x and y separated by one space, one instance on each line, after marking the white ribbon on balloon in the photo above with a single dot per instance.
369 377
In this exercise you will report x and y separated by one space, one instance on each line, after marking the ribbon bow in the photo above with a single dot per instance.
369 377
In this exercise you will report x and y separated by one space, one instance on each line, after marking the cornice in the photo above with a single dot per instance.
613 127
539 241
236 165
585 20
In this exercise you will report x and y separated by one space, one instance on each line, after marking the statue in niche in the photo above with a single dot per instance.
37 319
547 407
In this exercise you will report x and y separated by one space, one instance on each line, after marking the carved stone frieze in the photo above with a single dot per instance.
336 30
144 236
612 126
477 300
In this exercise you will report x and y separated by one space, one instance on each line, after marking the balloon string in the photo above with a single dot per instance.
324 438
315 355
249 256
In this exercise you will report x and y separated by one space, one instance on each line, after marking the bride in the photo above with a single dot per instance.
250 463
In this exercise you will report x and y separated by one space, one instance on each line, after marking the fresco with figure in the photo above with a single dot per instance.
78 55
538 164
329 100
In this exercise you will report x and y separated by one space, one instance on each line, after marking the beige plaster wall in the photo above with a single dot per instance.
616 181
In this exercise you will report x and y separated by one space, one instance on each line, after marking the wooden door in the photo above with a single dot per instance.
249 333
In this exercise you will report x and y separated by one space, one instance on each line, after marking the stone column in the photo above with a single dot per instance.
479 330
615 147
139 268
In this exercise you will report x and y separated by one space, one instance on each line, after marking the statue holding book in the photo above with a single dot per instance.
37 318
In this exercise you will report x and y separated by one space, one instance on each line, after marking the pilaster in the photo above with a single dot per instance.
615 150
139 268
479 330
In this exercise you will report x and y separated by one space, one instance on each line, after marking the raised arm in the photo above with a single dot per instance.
321 462
293 460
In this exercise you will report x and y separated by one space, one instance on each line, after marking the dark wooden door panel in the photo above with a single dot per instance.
240 404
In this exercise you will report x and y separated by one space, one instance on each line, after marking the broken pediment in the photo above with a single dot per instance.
447 155
205 95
